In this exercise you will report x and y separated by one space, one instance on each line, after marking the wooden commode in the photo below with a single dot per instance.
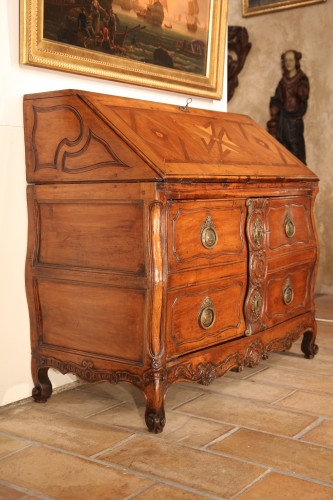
164 245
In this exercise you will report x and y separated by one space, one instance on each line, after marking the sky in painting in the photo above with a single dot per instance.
176 7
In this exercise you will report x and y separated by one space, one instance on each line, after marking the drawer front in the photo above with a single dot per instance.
201 316
288 293
289 224
205 233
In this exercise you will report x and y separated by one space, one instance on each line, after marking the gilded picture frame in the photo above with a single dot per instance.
254 7
51 36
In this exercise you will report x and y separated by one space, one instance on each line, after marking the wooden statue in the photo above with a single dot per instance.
238 49
289 105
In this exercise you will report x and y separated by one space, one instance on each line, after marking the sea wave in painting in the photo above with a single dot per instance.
169 33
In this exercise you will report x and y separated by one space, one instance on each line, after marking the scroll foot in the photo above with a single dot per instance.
308 346
43 388
155 421
155 415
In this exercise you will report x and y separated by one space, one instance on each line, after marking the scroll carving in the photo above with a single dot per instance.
71 147
87 371
248 356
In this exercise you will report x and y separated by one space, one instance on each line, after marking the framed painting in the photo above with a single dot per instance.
254 7
175 45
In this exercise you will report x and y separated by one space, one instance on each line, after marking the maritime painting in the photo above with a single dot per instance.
168 33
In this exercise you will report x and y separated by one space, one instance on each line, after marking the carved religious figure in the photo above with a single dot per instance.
289 105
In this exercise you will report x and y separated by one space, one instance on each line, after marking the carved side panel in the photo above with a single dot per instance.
72 146
256 234
67 141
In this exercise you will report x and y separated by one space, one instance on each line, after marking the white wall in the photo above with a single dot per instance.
16 80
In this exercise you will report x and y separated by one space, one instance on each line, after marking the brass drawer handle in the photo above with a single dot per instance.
208 234
287 293
206 314
289 227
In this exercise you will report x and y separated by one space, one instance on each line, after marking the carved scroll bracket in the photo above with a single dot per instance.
238 49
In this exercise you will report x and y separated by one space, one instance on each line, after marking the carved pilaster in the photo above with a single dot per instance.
256 235
156 345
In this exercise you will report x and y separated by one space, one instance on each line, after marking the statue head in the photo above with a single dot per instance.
290 61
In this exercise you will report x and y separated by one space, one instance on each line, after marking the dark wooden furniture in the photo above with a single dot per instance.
164 245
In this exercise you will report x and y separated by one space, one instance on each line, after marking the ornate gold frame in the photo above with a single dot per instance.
38 51
275 5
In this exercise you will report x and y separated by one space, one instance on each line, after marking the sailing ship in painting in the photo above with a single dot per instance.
192 15
153 12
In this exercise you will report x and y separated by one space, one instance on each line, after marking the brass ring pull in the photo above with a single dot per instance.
208 234
207 314
289 227
287 294
257 232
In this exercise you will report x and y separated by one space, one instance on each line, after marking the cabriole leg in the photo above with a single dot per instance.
308 346
43 387
155 415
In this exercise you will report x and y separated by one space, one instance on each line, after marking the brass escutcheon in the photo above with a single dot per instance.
257 232
256 304
289 227
287 293
208 234
206 314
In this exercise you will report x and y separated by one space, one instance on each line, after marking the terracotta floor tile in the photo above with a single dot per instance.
289 455
65 477
281 487
325 339
316 404
296 379
192 431
59 430
163 492
324 306
250 389
246 372
247 413
79 403
181 393
117 392
192 468
9 444
7 493
129 416
321 364
322 434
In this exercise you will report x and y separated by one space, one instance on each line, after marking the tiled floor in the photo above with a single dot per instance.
264 433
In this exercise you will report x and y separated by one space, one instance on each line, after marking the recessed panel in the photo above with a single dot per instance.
102 236
100 320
